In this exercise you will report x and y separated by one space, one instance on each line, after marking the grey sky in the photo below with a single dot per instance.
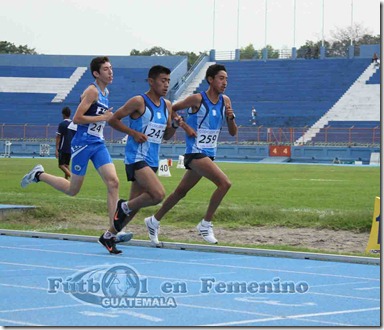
115 27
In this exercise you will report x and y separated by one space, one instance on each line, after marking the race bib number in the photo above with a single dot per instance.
155 132
207 138
96 129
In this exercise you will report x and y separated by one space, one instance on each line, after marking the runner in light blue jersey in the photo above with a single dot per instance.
153 123
149 122
206 113
207 122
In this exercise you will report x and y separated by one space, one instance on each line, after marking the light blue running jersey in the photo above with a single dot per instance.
152 123
93 132
207 122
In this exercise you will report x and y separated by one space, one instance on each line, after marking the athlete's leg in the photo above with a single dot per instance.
109 176
189 180
152 191
136 190
207 168
70 188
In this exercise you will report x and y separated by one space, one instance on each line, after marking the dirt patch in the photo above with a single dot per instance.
318 239
340 241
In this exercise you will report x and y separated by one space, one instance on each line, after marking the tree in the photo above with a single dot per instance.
311 50
272 53
249 52
159 51
192 57
154 51
342 38
7 47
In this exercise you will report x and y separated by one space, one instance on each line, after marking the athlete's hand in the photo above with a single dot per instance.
229 110
108 114
188 129
139 137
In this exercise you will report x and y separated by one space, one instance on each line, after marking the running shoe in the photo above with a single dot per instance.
123 237
109 244
207 233
31 176
119 217
153 230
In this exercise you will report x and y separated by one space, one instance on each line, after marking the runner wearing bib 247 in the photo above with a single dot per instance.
152 123
207 111
149 122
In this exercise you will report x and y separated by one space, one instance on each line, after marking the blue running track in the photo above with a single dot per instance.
170 287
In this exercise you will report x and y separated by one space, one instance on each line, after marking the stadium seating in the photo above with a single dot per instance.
36 88
349 132
375 79
288 93
285 93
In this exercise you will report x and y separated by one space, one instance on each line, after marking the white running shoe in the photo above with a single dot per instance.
206 232
30 177
123 237
153 230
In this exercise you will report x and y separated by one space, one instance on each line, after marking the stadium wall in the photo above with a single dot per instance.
245 153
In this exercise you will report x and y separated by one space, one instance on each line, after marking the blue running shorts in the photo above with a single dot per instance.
96 152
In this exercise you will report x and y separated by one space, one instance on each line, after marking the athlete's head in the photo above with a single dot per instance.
159 79
66 112
97 63
213 70
156 70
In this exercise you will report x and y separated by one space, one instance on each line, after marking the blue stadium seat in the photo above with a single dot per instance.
288 93
130 75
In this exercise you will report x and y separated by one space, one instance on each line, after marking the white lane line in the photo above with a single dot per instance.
156 260
348 311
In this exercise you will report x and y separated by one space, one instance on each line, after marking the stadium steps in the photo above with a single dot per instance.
195 83
58 86
360 102
72 81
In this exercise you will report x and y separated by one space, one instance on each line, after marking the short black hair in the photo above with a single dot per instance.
157 70
97 62
66 111
213 70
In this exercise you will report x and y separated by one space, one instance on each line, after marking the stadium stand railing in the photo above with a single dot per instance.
355 135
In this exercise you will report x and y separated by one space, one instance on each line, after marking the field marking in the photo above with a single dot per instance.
258 300
157 260
337 284
22 323
320 180
89 313
30 309
343 296
227 310
369 288
139 315
298 316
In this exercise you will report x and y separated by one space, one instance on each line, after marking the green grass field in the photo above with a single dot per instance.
333 197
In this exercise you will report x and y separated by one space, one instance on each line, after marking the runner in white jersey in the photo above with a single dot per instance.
88 144
206 113
149 122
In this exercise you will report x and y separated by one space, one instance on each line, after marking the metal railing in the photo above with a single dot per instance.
349 136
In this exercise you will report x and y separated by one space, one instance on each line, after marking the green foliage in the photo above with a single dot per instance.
10 48
159 51
249 52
